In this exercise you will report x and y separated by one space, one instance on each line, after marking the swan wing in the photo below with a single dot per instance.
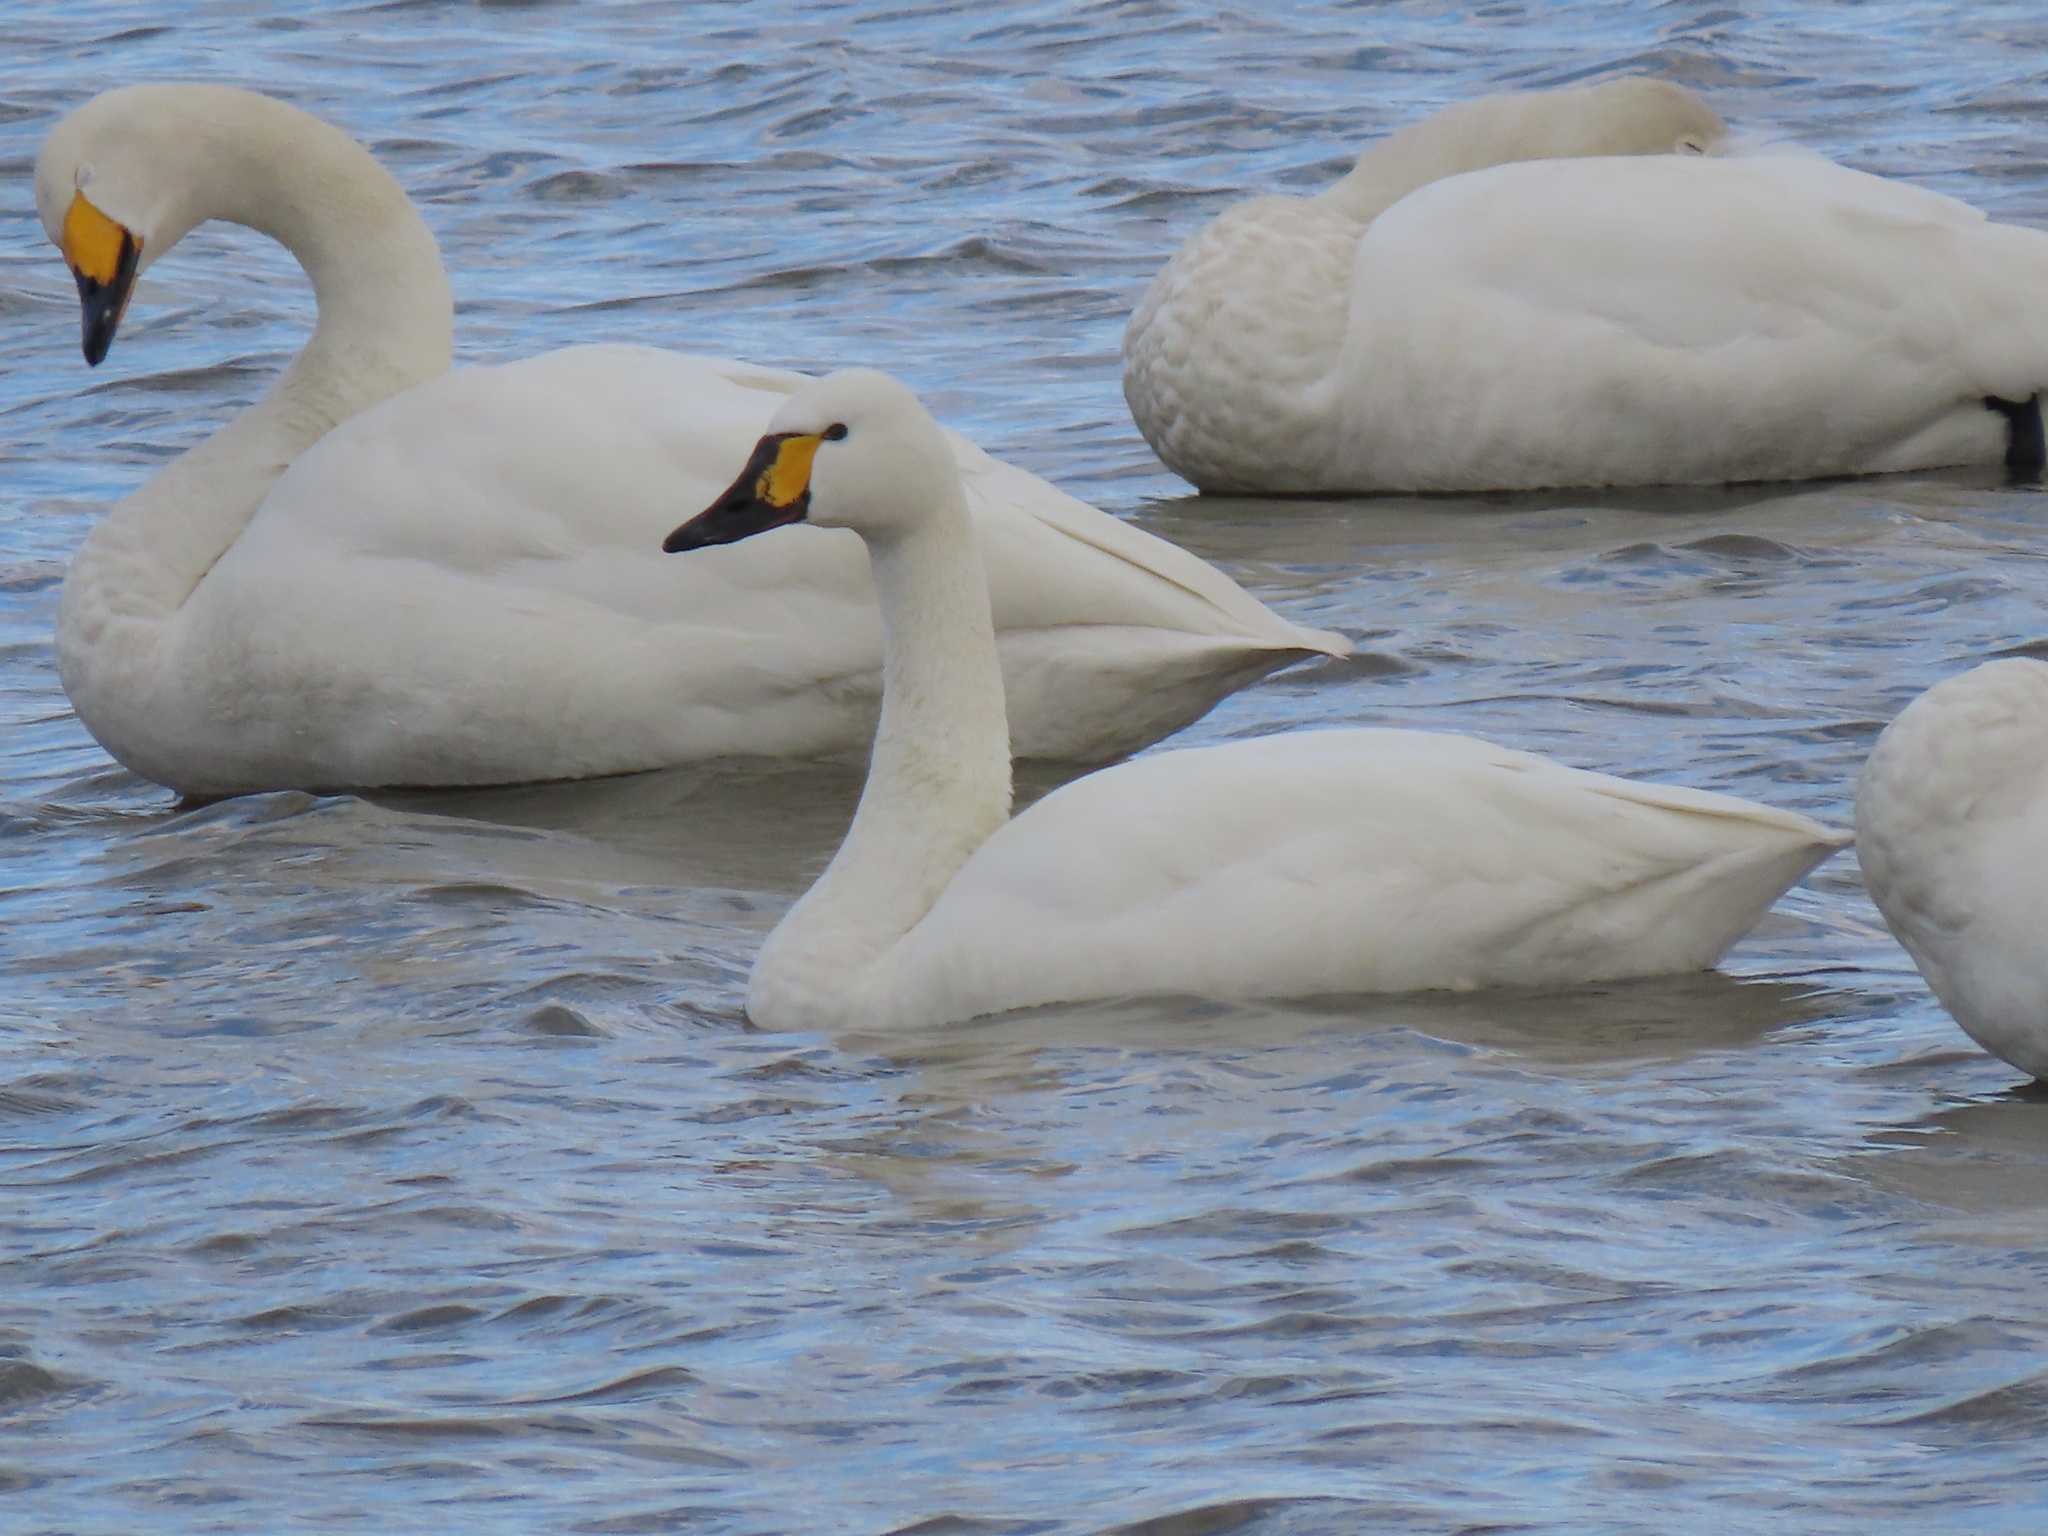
547 469
465 584
1339 861
1033 538
1679 319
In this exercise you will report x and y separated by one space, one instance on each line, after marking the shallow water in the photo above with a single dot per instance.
405 1162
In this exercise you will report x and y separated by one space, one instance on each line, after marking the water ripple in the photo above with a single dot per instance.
372 1155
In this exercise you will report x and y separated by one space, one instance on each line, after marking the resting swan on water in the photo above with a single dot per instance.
384 572
1952 831
1572 288
1311 862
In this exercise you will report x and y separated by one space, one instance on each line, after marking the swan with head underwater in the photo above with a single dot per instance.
1587 287
384 572
1952 832
1310 862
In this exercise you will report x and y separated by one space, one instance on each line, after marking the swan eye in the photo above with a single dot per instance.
835 432
1691 147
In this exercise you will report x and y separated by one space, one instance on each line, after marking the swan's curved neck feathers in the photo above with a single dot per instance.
938 785
1628 117
1468 137
385 324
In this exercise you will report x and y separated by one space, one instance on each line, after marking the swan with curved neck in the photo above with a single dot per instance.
1313 862
1584 287
1952 831
388 572
118 183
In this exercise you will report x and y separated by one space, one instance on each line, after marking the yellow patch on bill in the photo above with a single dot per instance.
788 474
92 241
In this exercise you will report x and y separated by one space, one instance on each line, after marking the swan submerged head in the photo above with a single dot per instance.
855 449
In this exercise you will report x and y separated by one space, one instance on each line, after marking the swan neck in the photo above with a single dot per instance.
1466 137
385 324
938 783
939 780
385 312
942 684
1388 172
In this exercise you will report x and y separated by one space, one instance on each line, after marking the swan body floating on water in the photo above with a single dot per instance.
1574 288
1952 831
384 572
1311 862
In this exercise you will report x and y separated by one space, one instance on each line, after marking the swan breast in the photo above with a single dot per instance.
1231 346
1952 831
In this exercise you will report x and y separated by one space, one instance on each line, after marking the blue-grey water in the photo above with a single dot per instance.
405 1164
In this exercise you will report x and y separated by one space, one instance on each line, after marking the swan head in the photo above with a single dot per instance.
1631 116
108 202
855 449
1634 115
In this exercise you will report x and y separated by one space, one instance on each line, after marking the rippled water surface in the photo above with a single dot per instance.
405 1163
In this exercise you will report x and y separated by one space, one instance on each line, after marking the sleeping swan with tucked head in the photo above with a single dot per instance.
1311 862
1576 288
1952 830
384 572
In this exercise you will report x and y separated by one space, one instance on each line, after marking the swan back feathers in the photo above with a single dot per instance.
1339 861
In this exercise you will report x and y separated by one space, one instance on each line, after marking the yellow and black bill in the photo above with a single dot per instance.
773 491
103 254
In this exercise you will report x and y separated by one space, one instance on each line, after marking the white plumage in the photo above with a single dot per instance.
1952 831
385 572
1334 861
1548 289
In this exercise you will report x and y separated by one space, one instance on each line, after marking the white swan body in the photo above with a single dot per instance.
1463 313
1952 831
385 572
1330 861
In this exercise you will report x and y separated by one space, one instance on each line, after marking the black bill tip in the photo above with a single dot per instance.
730 519
101 305
748 506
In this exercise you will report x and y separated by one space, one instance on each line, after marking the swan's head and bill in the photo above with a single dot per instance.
102 254
773 491
1634 115
102 207
854 450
